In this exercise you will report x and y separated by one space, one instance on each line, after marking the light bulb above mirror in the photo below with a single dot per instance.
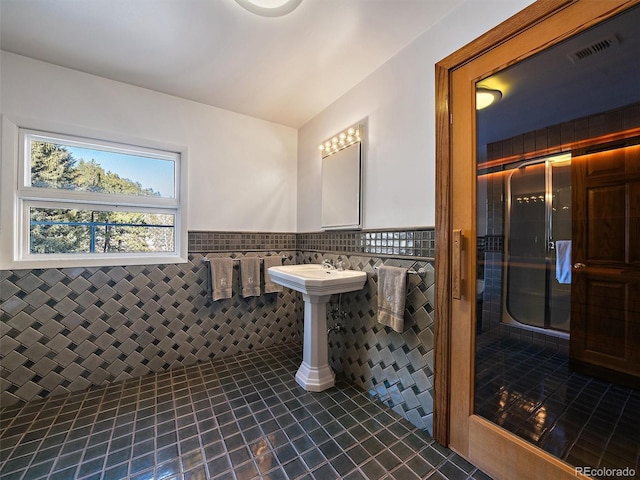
342 140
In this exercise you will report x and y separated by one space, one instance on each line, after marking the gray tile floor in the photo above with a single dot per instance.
242 417
530 390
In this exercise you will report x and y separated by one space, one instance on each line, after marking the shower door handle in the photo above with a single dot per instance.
456 264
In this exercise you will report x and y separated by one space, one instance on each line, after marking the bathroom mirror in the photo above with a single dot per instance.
341 188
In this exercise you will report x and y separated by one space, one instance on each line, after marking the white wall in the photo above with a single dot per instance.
250 175
241 170
398 101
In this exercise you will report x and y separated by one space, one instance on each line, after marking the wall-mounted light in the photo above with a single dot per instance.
486 96
342 140
270 8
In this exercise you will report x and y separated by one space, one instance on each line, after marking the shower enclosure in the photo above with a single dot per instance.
537 273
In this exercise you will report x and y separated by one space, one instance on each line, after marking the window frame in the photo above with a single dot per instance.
15 203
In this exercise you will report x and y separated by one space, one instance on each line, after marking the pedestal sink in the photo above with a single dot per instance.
317 284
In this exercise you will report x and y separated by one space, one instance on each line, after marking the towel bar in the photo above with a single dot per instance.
207 260
421 271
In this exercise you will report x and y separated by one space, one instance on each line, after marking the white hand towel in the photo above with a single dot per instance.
250 276
221 278
271 261
392 293
563 261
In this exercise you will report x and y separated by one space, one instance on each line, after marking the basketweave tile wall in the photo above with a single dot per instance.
68 329
396 368
65 330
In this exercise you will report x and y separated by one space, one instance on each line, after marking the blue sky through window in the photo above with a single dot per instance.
151 173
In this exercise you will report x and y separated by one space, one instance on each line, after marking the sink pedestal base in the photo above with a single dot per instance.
317 284
315 374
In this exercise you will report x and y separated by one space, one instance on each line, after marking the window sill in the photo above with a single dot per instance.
94 260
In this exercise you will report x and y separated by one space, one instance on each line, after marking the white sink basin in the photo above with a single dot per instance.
316 284
314 279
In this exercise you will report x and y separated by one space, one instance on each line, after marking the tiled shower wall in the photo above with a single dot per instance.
544 141
69 329
490 256
556 138
491 247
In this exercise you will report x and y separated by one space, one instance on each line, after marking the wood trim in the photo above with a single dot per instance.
511 27
530 16
442 320
500 445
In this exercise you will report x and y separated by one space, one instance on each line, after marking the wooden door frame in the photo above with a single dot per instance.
536 13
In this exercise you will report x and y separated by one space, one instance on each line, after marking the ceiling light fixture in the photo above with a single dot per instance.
270 8
486 96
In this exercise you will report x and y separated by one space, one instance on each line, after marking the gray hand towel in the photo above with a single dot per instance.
392 292
221 278
271 261
250 276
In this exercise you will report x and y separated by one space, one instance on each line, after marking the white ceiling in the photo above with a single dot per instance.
284 70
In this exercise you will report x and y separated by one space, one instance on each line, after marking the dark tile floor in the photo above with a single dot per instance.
242 417
530 391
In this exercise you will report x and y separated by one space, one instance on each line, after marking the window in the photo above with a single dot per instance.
91 202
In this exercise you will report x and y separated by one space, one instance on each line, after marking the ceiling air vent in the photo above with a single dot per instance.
596 47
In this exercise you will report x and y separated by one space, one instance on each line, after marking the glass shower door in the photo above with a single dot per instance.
526 243
560 283
538 239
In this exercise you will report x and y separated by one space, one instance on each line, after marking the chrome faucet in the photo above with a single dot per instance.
328 263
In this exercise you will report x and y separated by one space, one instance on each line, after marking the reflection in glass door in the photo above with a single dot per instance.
538 244
522 382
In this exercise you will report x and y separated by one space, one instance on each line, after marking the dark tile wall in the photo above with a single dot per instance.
550 343
397 368
207 242
490 256
491 297
416 242
563 134
66 330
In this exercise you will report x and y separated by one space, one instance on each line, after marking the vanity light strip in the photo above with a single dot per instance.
342 140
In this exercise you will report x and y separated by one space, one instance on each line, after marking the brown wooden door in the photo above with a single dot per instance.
498 452
605 300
